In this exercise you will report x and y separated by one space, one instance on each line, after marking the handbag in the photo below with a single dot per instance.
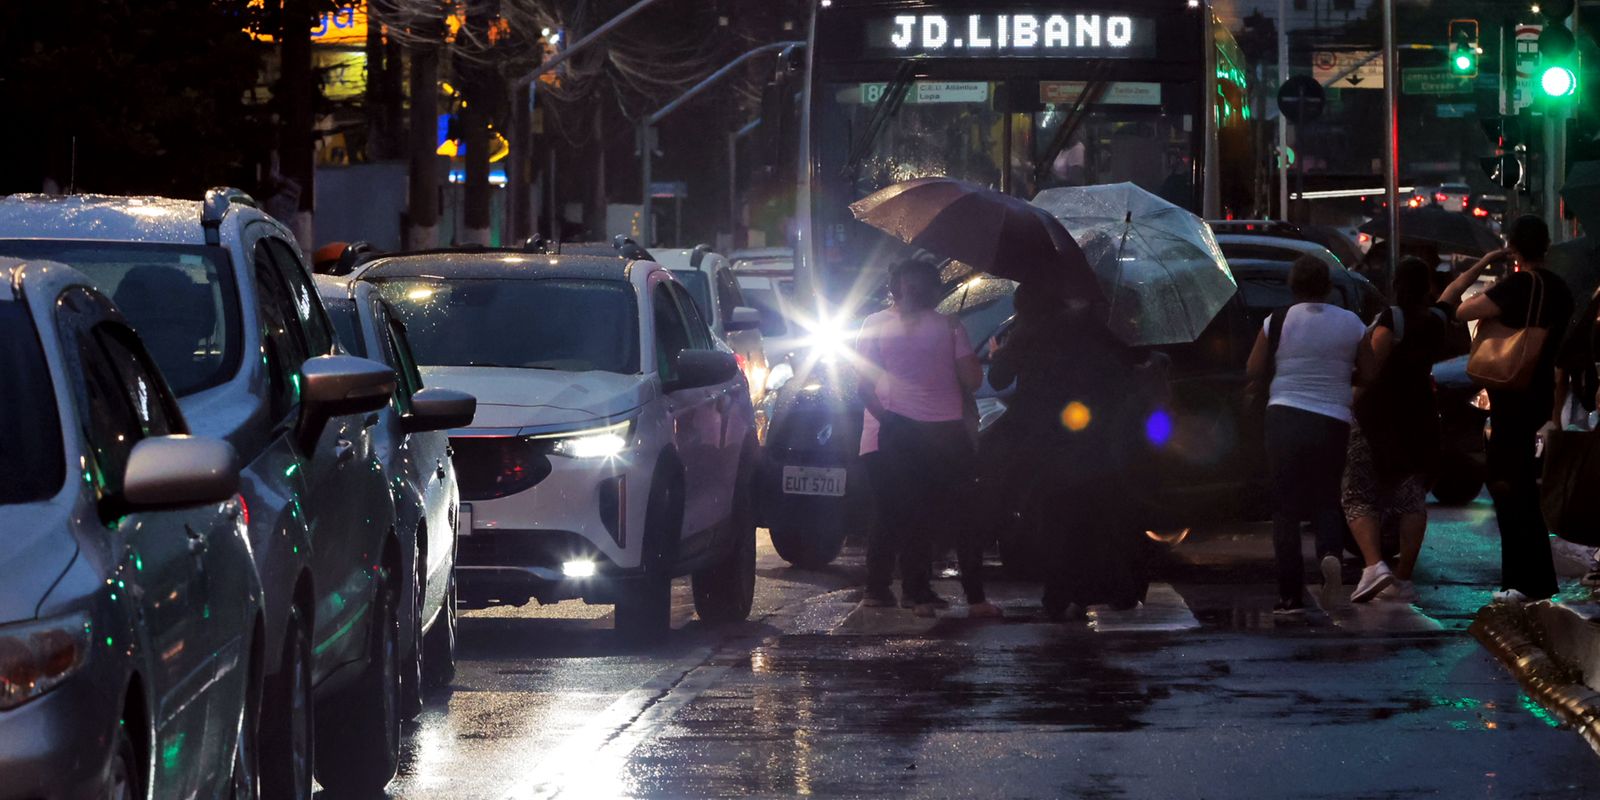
1567 497
1504 357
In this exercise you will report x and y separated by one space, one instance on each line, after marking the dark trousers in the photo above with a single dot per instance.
922 476
1513 477
1305 452
1090 546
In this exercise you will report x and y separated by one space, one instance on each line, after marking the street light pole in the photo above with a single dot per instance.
1283 124
648 124
1391 126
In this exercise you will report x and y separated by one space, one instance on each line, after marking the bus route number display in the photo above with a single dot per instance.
1016 35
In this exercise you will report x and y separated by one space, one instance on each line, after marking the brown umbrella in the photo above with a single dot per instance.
999 234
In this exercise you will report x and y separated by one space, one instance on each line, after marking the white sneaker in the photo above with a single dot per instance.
1510 597
1374 579
1332 581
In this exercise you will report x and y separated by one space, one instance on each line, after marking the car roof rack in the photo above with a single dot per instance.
629 248
217 203
699 254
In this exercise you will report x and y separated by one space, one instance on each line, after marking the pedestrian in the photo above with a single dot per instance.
1311 351
1074 440
1394 441
920 371
1532 296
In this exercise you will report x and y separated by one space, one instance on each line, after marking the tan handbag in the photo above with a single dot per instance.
1504 357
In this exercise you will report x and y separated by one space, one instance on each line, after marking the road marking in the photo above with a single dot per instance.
592 762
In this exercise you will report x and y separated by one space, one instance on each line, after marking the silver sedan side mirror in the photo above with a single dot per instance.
169 472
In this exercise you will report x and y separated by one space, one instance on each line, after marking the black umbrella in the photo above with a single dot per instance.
1448 231
1581 194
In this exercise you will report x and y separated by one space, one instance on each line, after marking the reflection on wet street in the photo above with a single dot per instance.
1200 693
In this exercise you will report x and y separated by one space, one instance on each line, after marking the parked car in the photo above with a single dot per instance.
614 444
411 443
711 283
1273 248
221 297
1452 197
130 612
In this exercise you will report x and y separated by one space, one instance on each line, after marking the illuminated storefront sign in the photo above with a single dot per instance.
990 34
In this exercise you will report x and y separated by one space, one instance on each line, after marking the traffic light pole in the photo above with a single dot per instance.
1283 123
1391 129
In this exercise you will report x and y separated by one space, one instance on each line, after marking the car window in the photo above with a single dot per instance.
142 387
574 325
408 379
347 326
699 286
700 337
284 347
308 311
180 298
671 336
768 296
105 416
728 295
32 463
983 304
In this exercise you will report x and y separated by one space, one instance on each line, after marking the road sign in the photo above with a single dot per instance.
1433 80
1300 99
1327 65
1527 63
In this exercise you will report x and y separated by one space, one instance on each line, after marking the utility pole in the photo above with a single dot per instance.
1283 124
1391 126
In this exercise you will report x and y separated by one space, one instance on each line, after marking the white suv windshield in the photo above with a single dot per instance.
179 298
571 325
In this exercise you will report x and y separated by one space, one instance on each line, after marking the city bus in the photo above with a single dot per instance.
1020 96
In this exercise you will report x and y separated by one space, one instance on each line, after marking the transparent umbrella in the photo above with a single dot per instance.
1159 266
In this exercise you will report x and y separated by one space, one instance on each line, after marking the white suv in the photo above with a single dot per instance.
614 445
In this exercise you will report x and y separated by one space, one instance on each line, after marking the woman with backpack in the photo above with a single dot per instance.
1309 352
1394 441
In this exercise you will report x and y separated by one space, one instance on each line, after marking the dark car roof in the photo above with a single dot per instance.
497 265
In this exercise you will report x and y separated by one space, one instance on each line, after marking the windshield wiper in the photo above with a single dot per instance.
885 109
1074 119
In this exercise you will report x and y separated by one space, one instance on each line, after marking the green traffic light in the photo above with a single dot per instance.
1558 81
1463 62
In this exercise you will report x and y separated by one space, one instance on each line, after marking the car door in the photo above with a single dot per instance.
692 409
344 501
724 420
159 553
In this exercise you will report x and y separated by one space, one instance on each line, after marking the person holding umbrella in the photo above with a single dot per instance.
919 371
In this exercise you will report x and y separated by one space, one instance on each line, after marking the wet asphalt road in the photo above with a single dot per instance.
1201 693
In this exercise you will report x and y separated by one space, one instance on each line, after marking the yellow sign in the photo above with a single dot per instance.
345 26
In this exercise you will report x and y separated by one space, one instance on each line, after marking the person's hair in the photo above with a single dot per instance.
1530 237
914 284
1309 280
1413 283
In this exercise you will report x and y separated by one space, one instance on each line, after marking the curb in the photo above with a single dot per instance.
1514 634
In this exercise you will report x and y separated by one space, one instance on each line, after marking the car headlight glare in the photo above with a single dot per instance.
35 657
827 339
606 442
779 375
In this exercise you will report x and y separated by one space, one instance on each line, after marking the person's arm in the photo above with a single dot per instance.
969 371
1480 306
867 384
1563 390
1371 354
1260 360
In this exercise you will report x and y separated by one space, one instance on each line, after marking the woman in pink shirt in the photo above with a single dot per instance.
919 376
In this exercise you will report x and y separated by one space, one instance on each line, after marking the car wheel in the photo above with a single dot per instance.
807 548
246 752
725 591
439 644
358 743
411 665
644 609
288 730
123 781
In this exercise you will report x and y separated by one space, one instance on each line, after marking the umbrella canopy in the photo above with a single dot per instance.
1159 263
1449 231
985 229
1581 193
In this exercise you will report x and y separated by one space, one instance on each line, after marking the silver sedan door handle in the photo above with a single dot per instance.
344 450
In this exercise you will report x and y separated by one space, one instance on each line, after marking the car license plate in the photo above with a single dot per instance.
825 481
464 520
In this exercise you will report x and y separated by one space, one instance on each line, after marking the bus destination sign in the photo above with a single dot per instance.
1016 35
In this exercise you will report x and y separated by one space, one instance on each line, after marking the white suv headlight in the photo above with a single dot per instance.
604 442
35 657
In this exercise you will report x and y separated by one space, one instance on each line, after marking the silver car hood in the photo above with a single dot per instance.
523 398
36 552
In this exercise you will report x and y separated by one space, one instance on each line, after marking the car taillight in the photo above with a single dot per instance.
1478 212
1439 197
35 657
498 466
1463 203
